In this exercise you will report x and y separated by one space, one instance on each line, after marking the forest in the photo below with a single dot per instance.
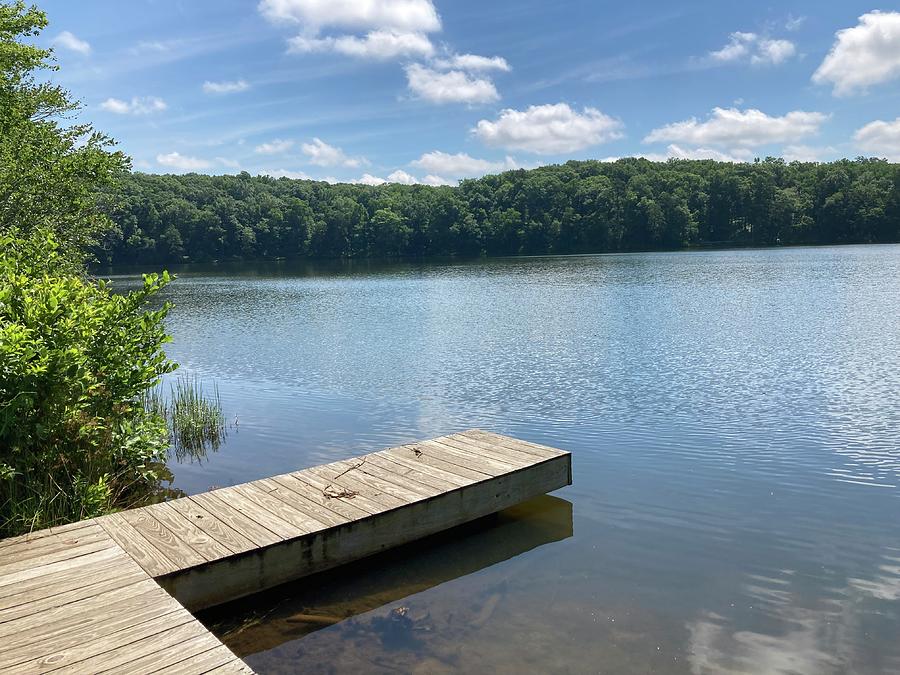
576 207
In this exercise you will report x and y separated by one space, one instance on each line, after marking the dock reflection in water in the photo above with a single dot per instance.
275 618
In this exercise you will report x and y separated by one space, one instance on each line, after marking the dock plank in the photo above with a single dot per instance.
153 561
184 530
223 511
109 594
129 648
322 486
465 459
13 583
492 450
539 451
346 478
418 455
164 655
292 495
177 550
226 535
426 477
259 501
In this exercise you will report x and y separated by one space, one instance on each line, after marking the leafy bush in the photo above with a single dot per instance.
75 358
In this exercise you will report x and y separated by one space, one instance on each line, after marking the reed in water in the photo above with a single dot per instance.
194 416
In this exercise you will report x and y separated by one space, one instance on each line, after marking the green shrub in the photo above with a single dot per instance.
75 438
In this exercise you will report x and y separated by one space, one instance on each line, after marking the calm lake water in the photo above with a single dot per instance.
735 423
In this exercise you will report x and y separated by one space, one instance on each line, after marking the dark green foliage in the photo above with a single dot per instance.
49 171
75 439
577 207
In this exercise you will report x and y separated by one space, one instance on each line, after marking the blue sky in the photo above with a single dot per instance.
432 91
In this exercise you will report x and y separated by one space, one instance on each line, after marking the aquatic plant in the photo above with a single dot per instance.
194 417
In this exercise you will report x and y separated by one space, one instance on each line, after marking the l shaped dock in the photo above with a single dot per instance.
114 594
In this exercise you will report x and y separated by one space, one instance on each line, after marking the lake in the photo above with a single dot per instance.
735 423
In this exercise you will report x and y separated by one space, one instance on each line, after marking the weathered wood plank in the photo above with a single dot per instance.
465 459
71 578
56 595
418 455
204 662
428 476
355 469
236 520
400 485
184 530
34 548
153 561
120 647
14 583
323 486
236 667
267 506
165 656
229 537
79 621
351 481
492 450
37 535
63 551
164 540
288 490
485 454
536 449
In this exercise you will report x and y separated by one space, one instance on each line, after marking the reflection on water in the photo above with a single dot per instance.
733 416
289 612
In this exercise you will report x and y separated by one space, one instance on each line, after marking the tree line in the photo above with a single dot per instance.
576 207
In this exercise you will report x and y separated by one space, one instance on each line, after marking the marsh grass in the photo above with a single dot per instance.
194 416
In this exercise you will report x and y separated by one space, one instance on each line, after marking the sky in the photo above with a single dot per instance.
433 91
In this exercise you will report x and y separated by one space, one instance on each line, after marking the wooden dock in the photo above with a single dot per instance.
113 594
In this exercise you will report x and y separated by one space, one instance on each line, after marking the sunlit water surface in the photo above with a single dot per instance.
735 423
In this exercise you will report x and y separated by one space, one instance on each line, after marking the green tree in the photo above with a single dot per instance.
50 172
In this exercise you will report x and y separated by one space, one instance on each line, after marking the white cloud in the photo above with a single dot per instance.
418 16
285 173
548 129
453 86
322 154
400 176
862 56
739 46
461 164
773 52
369 179
225 87
472 62
740 128
807 153
145 105
378 44
755 49
274 147
794 22
431 179
176 160
69 41
880 138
